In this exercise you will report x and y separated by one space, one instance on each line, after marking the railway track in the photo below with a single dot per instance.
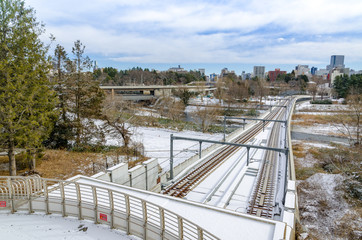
184 185
262 201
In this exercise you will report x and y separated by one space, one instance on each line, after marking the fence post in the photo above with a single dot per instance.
11 194
200 149
180 228
29 193
144 211
286 174
171 156
62 193
247 156
46 196
79 200
128 214
95 202
146 173
111 205
224 128
200 234
162 222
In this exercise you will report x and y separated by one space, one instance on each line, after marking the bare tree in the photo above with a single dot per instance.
206 115
349 125
171 108
260 88
220 90
119 117
313 87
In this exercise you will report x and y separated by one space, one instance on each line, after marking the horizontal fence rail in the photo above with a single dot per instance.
103 205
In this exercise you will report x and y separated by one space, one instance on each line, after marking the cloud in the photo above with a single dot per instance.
263 31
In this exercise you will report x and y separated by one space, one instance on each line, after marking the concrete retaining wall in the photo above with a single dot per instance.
142 176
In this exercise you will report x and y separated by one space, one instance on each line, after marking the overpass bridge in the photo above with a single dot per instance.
143 92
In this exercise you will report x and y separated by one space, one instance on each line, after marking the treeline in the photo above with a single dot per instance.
346 85
111 76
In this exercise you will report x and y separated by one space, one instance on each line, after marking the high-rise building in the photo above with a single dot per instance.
274 74
259 71
202 71
313 70
301 70
336 61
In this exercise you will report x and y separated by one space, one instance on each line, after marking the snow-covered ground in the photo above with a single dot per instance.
331 129
156 143
308 108
324 211
323 129
54 227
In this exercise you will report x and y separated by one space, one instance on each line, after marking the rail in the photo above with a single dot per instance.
104 205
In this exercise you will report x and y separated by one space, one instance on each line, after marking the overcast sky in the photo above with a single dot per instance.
208 34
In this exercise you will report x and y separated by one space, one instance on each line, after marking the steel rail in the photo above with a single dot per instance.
262 201
191 180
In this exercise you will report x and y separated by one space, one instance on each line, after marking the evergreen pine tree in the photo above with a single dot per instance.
27 100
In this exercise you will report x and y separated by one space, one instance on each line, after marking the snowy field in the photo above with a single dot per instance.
54 227
156 142
331 129
308 108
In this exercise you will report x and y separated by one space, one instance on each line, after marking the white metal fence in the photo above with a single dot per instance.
103 205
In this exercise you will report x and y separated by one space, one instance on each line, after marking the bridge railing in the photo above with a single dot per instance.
104 205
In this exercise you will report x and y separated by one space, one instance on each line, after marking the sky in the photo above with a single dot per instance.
210 34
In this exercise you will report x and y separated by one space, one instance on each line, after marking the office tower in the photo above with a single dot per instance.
259 71
336 61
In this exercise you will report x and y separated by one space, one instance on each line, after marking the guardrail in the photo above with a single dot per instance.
119 210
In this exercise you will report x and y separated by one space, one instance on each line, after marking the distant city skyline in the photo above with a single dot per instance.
210 67
210 34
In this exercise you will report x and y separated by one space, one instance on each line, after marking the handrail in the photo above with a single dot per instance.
117 209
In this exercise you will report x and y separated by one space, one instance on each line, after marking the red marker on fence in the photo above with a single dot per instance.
2 203
103 216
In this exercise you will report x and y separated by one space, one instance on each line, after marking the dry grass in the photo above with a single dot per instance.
299 150
309 120
61 164
4 159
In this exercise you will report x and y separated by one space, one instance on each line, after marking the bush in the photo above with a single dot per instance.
233 112
252 112
325 101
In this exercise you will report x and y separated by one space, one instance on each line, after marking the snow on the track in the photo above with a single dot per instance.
236 164
54 227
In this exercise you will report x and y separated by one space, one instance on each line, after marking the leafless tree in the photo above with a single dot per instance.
171 108
350 124
118 117
220 90
206 115
313 87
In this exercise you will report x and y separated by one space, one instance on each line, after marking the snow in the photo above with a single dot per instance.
222 223
308 108
156 143
322 202
54 227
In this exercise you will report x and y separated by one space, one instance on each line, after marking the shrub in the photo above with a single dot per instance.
252 112
325 101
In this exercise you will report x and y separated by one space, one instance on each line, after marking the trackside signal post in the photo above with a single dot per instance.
172 138
285 122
